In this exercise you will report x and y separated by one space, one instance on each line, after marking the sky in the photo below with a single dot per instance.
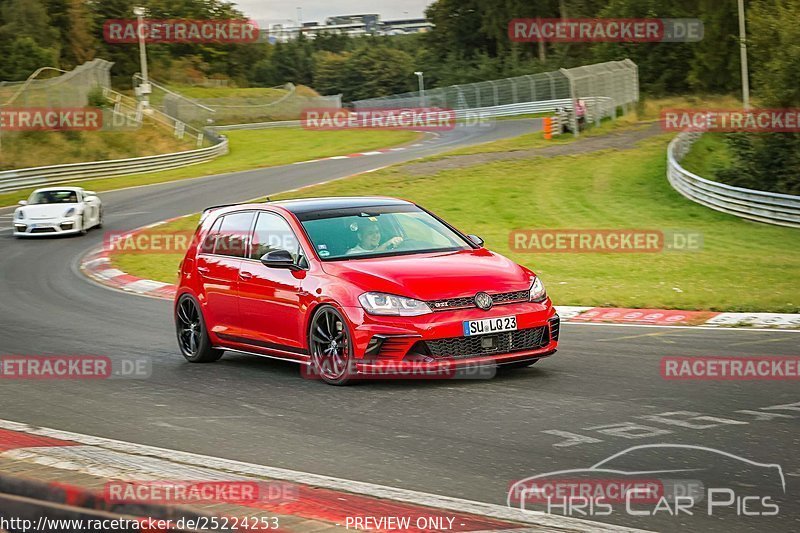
285 11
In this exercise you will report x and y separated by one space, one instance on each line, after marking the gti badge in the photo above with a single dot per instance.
483 301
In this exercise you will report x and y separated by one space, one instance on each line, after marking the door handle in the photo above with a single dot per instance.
245 275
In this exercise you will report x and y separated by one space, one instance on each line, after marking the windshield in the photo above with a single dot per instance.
379 231
53 197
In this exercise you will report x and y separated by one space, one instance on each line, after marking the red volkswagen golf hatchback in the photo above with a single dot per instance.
357 287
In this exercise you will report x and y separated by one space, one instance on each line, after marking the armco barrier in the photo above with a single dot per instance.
30 177
604 106
761 206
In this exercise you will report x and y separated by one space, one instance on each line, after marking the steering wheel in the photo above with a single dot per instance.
410 244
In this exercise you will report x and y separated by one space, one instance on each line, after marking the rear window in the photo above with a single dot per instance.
230 235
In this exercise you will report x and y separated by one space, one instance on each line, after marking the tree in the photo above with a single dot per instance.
770 161
27 41
81 43
330 72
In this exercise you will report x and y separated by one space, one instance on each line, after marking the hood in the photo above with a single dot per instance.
41 211
434 276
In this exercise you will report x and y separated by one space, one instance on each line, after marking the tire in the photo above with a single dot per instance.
190 329
517 366
331 347
100 218
84 230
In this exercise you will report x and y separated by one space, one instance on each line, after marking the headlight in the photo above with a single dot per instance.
538 294
70 212
378 303
20 215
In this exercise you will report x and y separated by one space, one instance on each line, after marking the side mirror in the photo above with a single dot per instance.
279 259
475 239
89 193
23 202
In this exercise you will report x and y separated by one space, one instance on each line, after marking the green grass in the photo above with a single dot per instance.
156 266
41 148
251 149
264 93
708 155
536 139
743 266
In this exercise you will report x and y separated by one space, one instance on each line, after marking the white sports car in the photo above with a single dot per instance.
58 211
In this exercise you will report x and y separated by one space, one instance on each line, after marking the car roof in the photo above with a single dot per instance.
310 205
48 189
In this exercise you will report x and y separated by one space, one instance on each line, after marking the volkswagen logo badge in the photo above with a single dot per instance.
483 301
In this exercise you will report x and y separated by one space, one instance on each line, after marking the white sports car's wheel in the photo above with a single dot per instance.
84 230
100 218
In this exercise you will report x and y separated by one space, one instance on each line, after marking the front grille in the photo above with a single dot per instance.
469 301
43 230
502 343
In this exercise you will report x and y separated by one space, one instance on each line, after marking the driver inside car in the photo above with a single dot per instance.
369 240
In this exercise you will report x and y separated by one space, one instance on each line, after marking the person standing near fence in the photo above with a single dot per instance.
580 114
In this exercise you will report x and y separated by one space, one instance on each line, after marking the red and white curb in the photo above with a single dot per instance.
97 265
318 497
373 152
358 154
674 317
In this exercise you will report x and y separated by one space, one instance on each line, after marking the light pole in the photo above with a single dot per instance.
144 88
743 55
421 78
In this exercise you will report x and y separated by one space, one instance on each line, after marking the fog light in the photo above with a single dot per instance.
67 225
20 227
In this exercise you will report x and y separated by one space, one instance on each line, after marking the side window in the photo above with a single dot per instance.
207 246
234 234
273 233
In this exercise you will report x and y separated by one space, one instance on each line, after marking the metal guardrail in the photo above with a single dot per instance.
30 177
259 125
761 206
603 105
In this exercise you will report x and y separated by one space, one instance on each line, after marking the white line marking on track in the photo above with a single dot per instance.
356 487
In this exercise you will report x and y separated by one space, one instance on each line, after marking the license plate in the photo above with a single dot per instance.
489 325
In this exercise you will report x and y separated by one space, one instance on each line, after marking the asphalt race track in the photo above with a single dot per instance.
600 394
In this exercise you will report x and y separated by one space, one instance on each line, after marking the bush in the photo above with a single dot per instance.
97 98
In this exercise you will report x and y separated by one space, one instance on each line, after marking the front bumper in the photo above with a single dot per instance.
400 345
44 227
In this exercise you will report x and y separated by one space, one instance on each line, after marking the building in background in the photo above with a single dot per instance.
351 25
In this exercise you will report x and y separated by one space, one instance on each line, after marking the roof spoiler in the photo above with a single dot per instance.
207 211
